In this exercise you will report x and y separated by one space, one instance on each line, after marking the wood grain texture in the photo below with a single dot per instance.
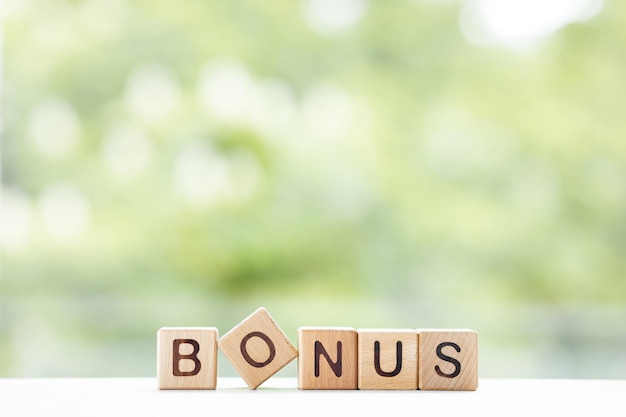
187 358
257 348
387 359
327 358
448 360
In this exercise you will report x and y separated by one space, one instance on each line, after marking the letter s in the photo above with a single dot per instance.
442 356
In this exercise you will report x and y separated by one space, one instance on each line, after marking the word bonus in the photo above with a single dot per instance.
329 358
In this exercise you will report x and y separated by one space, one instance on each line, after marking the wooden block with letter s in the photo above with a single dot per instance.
187 358
327 358
448 360
257 348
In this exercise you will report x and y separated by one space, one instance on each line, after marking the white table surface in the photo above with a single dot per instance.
281 397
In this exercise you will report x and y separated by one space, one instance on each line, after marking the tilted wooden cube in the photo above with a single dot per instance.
387 359
257 348
327 358
448 360
187 358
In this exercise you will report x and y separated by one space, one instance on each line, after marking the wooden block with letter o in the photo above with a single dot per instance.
257 348
327 358
387 359
448 360
187 358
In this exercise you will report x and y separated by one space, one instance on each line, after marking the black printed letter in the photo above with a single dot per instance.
398 360
335 366
456 363
266 339
192 356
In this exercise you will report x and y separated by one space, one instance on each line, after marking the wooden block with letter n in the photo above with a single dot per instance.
187 358
327 358
257 348
387 359
448 360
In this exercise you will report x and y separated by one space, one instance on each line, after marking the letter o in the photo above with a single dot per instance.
266 339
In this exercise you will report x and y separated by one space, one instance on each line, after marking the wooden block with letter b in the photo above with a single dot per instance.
387 359
257 348
327 358
187 358
448 360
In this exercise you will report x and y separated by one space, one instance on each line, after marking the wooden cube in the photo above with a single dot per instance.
187 358
327 358
448 360
257 348
387 359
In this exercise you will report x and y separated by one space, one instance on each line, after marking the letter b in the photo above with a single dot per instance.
177 357
187 358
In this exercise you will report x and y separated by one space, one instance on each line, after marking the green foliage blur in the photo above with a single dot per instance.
182 163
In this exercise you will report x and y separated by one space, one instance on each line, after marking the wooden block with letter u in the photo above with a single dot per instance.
187 358
327 358
448 360
387 359
257 348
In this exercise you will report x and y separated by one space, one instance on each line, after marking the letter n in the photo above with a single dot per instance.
321 351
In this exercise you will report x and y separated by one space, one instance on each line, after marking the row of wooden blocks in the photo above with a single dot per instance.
328 357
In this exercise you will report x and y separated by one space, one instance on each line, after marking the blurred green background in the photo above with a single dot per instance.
406 164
